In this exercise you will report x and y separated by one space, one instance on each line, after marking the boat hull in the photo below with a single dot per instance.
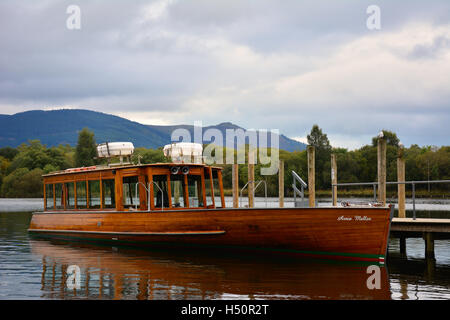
335 233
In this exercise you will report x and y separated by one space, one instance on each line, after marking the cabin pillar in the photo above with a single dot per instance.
401 186
251 179
235 184
334 179
281 183
382 170
311 176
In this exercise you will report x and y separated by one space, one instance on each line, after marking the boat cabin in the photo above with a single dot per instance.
150 187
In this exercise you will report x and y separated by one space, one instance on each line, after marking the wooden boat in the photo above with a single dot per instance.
173 204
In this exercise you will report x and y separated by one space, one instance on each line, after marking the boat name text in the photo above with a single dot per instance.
354 218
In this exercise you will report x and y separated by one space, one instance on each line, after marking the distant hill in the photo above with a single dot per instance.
62 126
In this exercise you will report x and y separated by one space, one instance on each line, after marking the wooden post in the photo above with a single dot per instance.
311 176
334 178
235 184
402 246
401 187
251 179
382 171
281 183
429 246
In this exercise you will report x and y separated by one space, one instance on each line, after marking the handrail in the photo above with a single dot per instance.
303 185
297 177
375 184
256 187
148 197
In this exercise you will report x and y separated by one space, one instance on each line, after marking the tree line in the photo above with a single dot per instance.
21 168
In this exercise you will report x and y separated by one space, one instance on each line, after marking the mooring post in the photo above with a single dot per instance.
281 183
311 176
402 246
382 169
235 184
251 179
429 246
334 179
401 185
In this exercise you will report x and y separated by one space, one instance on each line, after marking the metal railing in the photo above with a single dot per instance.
256 187
375 184
296 178
148 194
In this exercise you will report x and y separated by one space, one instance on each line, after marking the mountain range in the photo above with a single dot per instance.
56 127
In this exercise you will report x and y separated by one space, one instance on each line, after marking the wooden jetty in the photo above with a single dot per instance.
428 229
401 227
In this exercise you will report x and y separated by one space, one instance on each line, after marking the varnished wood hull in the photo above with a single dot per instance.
334 233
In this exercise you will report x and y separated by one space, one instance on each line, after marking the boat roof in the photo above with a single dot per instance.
125 166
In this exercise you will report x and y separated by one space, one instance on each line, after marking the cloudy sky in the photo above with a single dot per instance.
258 63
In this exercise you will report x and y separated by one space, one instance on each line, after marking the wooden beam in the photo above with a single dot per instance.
382 170
281 183
251 179
235 184
334 178
401 187
311 176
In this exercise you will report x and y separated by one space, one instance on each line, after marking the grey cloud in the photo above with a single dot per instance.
431 51
119 63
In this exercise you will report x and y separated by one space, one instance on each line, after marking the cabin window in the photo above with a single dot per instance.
208 192
160 194
108 189
70 195
49 197
177 189
59 195
94 194
81 195
130 192
195 191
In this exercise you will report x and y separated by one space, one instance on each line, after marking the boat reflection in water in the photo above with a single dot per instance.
123 273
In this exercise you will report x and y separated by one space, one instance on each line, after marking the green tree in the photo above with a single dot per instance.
86 150
30 156
4 165
145 156
391 139
8 153
23 183
35 155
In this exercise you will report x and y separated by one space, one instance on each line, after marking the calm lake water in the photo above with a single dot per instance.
37 269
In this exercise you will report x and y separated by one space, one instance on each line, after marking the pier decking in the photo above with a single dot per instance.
428 229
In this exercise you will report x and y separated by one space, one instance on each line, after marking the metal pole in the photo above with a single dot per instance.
303 194
242 191
265 191
332 195
295 195
148 190
374 192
